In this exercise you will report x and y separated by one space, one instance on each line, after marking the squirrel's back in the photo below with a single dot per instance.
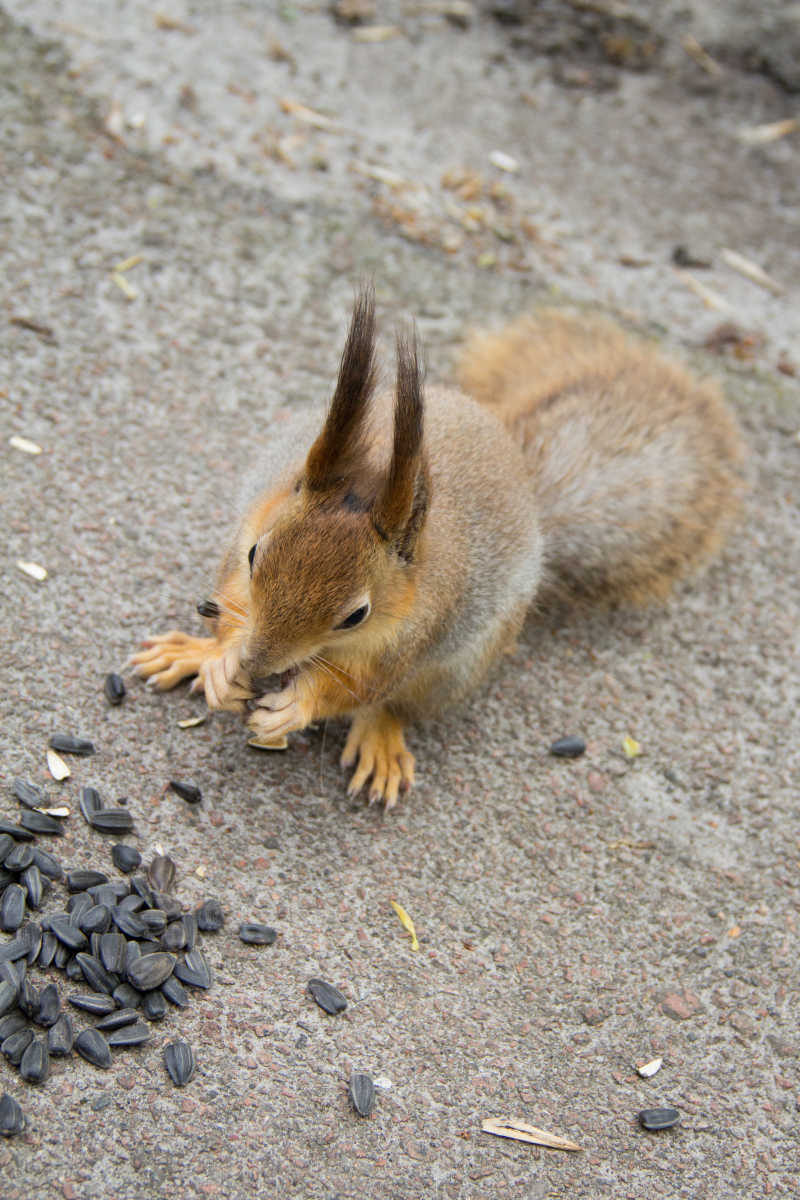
636 465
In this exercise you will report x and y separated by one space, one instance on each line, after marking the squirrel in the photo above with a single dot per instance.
381 574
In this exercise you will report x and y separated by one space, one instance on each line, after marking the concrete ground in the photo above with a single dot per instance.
575 917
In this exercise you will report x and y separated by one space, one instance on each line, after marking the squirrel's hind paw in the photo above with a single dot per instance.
376 740
167 658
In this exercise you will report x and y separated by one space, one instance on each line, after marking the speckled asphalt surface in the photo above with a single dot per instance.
575 918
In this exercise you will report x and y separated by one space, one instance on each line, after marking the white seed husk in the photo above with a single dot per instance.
57 767
33 570
650 1068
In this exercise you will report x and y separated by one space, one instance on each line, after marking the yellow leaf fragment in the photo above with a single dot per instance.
631 747
522 1132
406 922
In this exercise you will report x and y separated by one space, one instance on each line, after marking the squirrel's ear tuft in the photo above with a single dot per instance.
339 447
400 509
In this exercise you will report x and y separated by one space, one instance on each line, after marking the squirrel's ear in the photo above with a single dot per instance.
339 447
400 509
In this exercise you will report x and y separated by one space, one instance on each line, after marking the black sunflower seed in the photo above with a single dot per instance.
11 1023
7 844
112 952
92 1046
37 822
126 996
128 922
67 933
114 688
175 992
13 972
95 974
112 820
194 970
16 831
659 1118
96 920
34 1066
19 857
31 936
168 904
97 1003
49 1006
154 1005
11 951
161 873
73 971
31 880
16 1044
125 858
116 1020
568 747
80 879
12 1118
61 1036
179 1061
362 1093
28 794
143 889
12 907
49 866
47 950
78 905
209 608
65 743
210 916
110 893
61 956
28 999
129 1035
132 951
89 802
189 922
187 791
257 935
329 998
154 921
174 937
150 970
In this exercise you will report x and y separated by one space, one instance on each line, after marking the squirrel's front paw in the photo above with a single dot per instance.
377 740
167 658
218 677
278 713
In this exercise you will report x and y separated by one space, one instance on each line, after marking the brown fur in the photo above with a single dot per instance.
586 466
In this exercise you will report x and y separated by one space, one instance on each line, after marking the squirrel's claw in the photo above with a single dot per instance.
168 658
376 740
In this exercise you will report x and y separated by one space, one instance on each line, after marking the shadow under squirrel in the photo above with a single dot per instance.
380 575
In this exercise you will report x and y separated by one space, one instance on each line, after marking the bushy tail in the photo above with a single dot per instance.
637 466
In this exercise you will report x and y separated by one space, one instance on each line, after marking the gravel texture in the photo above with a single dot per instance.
576 917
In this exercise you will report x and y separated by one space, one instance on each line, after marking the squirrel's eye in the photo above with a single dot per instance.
250 556
355 618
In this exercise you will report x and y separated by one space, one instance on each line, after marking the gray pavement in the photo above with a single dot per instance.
575 918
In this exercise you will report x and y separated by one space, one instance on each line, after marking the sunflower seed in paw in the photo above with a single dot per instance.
210 916
187 791
92 1046
64 743
180 1063
61 1036
329 998
111 820
96 1003
114 688
257 935
362 1093
12 1118
129 1035
194 970
125 858
568 747
150 970
15 1045
34 1066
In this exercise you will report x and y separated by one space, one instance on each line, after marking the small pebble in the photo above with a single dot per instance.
568 747
114 688
659 1118
329 998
